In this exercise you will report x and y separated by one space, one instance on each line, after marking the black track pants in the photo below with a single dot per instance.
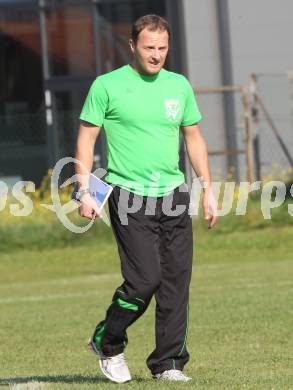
156 259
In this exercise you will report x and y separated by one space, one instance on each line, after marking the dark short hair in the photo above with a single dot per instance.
151 22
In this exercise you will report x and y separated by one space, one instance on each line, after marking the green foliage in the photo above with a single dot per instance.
42 229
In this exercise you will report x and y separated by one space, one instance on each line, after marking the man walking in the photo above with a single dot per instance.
142 107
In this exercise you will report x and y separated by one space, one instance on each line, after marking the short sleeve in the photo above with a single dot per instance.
95 105
191 114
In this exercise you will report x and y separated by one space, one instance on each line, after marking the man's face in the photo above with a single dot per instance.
150 50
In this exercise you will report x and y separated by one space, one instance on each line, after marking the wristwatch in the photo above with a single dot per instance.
78 194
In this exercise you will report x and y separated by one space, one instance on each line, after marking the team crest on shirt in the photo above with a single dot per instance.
172 107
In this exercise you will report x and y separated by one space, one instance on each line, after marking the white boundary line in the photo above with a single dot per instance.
34 385
80 279
48 297
92 278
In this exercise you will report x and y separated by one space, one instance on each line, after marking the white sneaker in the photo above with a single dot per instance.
115 368
172 375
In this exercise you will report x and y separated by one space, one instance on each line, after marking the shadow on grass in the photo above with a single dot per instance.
63 379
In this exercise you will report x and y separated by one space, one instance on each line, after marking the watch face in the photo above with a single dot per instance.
74 194
77 194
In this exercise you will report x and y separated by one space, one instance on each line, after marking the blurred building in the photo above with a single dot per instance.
51 50
226 41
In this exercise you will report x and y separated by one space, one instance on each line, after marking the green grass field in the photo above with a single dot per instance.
240 328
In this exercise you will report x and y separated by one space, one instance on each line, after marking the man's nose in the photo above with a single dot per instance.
156 54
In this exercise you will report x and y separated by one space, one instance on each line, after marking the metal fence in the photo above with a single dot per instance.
223 159
263 128
272 121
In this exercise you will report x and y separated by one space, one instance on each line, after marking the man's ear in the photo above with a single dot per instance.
131 45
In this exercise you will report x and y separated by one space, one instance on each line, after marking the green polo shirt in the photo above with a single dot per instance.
141 116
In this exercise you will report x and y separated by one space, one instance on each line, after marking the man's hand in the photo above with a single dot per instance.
198 156
88 207
86 139
210 207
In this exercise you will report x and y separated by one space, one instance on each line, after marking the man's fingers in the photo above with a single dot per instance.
89 208
95 215
98 212
90 213
213 221
206 212
87 215
210 214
